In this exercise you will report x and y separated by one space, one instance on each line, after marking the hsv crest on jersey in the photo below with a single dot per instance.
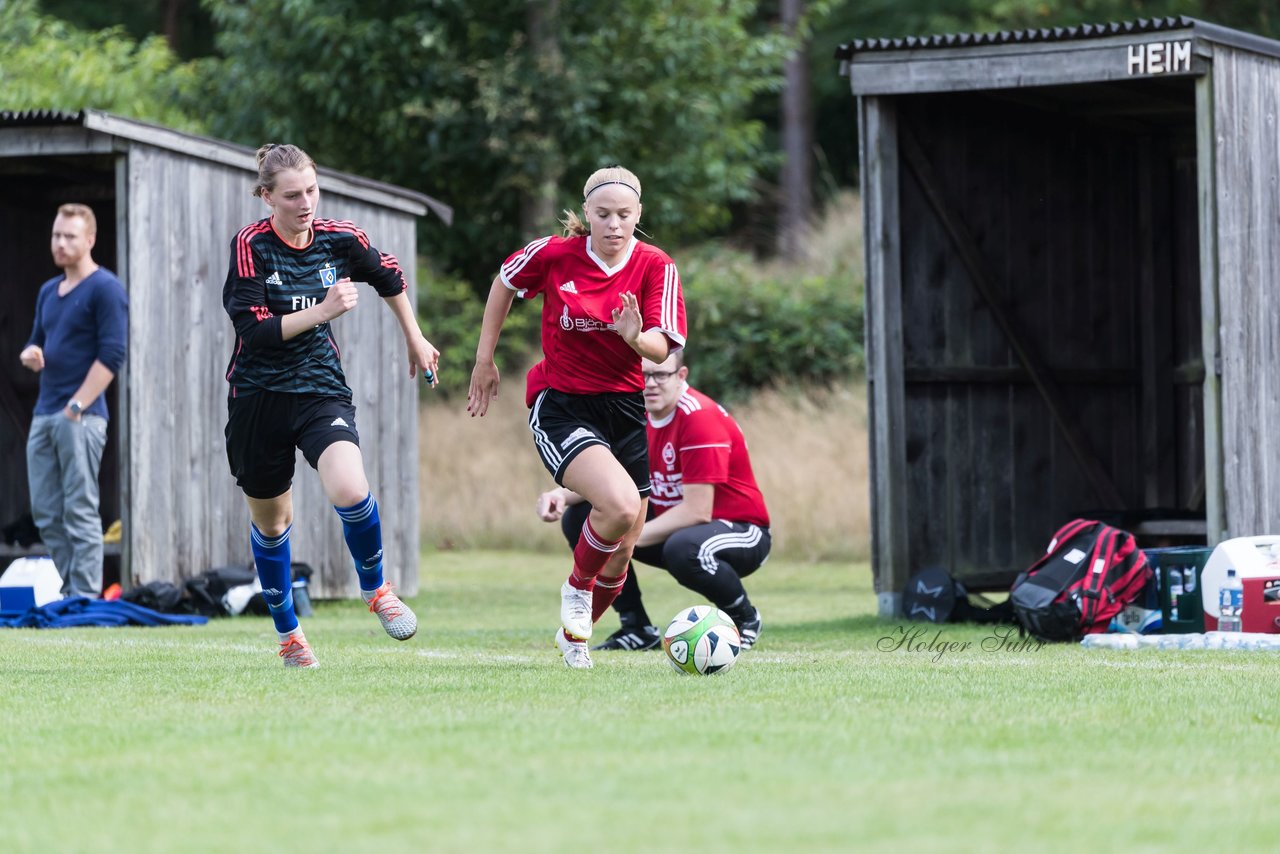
268 278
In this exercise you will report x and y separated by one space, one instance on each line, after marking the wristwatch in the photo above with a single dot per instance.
75 407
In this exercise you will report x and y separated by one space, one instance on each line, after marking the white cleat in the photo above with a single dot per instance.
296 652
397 618
575 611
575 653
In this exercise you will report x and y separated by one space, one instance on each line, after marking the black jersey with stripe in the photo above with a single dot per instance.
268 279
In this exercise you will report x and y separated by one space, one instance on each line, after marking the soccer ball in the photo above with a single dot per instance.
702 639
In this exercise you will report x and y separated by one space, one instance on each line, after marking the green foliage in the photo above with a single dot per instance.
49 64
451 97
753 327
185 25
450 311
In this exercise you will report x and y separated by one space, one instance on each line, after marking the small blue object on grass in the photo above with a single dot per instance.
79 611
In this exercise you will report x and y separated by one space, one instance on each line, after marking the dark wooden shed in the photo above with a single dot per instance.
168 205
1073 255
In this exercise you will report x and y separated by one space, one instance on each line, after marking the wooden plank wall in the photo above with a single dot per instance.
878 141
1247 174
186 515
1052 204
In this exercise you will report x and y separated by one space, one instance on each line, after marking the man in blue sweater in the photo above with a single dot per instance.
77 346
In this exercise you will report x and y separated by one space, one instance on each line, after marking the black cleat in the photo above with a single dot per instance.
632 638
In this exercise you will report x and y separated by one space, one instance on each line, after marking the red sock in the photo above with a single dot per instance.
589 557
607 589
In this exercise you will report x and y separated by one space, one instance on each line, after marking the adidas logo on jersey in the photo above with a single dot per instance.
569 287
274 279
338 422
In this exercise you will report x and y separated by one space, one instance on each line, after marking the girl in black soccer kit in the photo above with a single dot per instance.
290 275
608 299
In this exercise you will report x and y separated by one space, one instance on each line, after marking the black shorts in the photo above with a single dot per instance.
263 429
565 425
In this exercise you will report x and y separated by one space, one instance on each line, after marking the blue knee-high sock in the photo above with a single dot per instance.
362 529
271 556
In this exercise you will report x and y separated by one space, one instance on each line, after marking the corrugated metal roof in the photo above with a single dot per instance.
40 117
1055 34
209 148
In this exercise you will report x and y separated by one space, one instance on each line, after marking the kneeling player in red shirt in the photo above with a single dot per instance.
708 525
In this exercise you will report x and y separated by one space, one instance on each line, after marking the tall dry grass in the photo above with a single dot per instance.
832 246
481 476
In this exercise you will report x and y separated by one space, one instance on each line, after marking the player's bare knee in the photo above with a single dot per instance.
348 497
625 513
275 525
615 514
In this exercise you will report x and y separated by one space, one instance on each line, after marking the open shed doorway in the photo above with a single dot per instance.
1052 346
33 188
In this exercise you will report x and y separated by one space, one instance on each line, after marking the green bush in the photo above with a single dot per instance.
750 327
753 327
49 64
449 313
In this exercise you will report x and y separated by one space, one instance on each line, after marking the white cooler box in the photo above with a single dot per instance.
28 583
1256 561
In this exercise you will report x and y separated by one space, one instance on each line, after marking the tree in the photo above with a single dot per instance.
49 64
184 25
450 97
797 138
539 202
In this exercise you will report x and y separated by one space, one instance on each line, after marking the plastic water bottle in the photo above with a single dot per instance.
1230 603
1189 580
1175 590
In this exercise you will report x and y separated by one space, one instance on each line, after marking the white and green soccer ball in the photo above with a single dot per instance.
702 640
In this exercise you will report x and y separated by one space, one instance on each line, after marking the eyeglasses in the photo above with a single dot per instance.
659 377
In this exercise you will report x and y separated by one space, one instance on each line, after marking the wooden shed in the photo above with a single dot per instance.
168 205
1073 263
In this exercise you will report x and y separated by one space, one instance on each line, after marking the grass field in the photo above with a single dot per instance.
830 735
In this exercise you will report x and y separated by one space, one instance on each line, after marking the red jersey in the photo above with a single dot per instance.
579 293
700 443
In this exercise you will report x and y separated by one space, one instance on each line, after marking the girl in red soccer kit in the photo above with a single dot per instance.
608 300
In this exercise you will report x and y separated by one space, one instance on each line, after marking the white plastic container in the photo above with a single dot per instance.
1257 564
29 582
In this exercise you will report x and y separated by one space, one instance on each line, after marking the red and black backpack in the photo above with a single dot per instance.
1087 576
